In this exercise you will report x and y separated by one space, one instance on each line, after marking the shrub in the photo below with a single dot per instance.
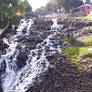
15 20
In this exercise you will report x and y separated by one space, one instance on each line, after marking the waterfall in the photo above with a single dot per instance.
17 79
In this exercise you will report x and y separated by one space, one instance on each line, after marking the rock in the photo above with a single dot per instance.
3 45
21 59
65 44
2 67
42 24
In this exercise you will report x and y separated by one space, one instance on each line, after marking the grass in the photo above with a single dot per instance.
76 52
90 28
0 30
86 17
86 40
70 40
73 53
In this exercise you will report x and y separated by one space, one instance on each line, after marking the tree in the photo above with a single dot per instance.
68 4
29 8
50 7
8 9
71 4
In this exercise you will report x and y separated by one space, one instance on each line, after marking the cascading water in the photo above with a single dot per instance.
20 80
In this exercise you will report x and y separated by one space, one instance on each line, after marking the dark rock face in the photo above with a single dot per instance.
1 90
21 59
2 67
63 77
74 27
3 45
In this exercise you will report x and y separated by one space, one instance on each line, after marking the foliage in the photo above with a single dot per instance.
90 28
68 4
55 5
15 20
8 9
87 40
77 53
73 53
29 8
50 7
86 17
0 30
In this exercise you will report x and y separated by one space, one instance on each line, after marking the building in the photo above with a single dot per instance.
85 9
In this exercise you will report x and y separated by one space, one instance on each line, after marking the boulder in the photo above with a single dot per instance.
3 45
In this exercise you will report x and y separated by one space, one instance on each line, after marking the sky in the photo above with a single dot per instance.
37 3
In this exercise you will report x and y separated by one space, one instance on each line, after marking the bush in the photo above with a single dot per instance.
15 20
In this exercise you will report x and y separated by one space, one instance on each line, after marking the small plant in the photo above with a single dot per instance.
90 28
0 30
73 53
70 40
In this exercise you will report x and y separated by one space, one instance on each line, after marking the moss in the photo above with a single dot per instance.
0 30
72 52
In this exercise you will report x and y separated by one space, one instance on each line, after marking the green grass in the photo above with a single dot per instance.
0 30
75 52
86 17
90 28
86 40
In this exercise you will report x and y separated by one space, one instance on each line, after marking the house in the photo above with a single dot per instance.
85 9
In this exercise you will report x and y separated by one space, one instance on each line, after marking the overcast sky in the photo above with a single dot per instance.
37 3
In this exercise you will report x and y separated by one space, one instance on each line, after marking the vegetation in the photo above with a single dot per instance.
86 40
70 40
86 17
78 52
69 4
61 5
8 9
0 31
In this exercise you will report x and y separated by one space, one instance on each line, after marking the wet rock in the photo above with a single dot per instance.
50 57
1 89
66 44
42 24
2 67
21 59
3 45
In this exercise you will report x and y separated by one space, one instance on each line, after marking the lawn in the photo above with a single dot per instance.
77 51
86 40
0 31
86 17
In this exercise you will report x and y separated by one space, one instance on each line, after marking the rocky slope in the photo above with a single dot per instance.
62 75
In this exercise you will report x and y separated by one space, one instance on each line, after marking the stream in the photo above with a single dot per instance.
18 78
